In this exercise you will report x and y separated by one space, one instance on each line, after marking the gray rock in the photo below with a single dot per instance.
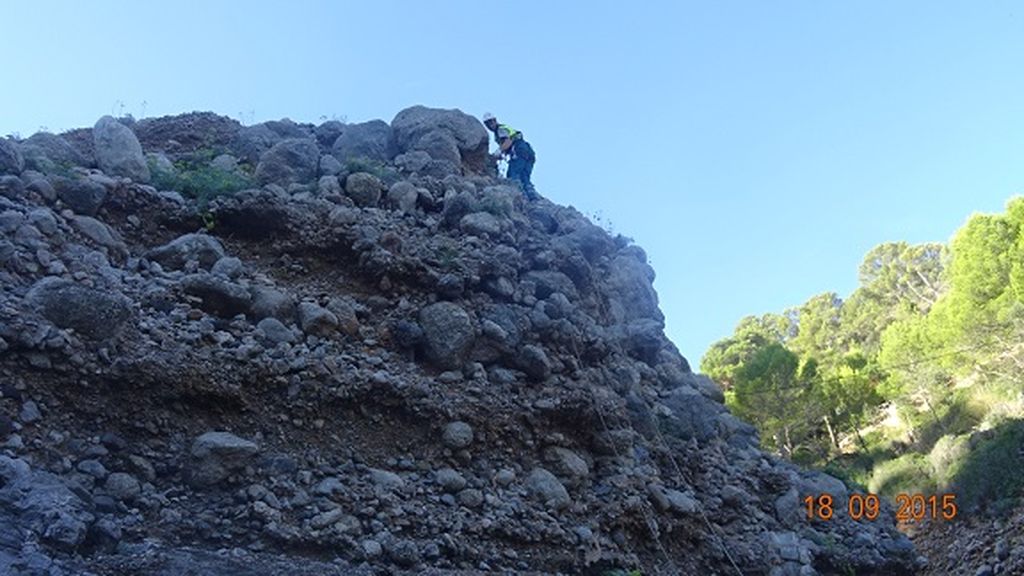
1002 549
440 145
548 282
315 319
449 480
11 187
404 553
680 502
448 333
406 335
118 152
96 314
29 412
49 153
450 286
251 142
225 163
567 464
690 415
471 498
99 233
160 165
480 224
122 486
329 487
228 267
385 481
327 132
346 313
370 141
364 189
105 535
546 488
291 161
44 220
272 303
176 254
504 477
329 165
217 295
275 331
706 386
372 548
457 435
412 161
93 468
84 196
416 128
631 294
215 455
534 362
11 160
402 195
329 186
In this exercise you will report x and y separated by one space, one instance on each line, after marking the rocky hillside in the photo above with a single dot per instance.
352 349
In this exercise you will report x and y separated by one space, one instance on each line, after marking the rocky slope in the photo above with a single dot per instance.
373 358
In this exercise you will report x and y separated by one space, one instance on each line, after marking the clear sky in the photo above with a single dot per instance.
755 149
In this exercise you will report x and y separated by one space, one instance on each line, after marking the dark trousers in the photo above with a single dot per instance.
520 166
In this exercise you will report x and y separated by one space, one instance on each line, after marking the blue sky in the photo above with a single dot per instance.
756 150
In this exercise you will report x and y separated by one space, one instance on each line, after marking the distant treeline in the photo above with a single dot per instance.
892 386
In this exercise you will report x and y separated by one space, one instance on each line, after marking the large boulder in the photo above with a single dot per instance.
48 153
448 333
371 141
545 487
174 255
363 188
217 295
82 195
250 142
630 287
92 313
118 151
291 161
403 195
11 160
215 455
432 130
271 303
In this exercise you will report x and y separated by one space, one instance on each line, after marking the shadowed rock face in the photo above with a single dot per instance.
402 368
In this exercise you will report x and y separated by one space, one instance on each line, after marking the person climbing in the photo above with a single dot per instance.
521 157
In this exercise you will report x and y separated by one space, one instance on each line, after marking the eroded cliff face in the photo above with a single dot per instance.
357 351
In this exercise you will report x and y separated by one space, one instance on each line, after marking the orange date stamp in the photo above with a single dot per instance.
867 507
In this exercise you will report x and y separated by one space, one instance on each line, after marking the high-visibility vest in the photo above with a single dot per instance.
513 134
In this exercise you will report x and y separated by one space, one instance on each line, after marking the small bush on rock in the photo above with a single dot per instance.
200 180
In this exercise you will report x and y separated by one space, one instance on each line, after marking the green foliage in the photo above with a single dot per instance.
198 179
883 388
726 357
909 473
991 473
769 393
381 170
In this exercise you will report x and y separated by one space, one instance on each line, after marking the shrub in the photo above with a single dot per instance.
990 475
199 180
909 473
385 173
